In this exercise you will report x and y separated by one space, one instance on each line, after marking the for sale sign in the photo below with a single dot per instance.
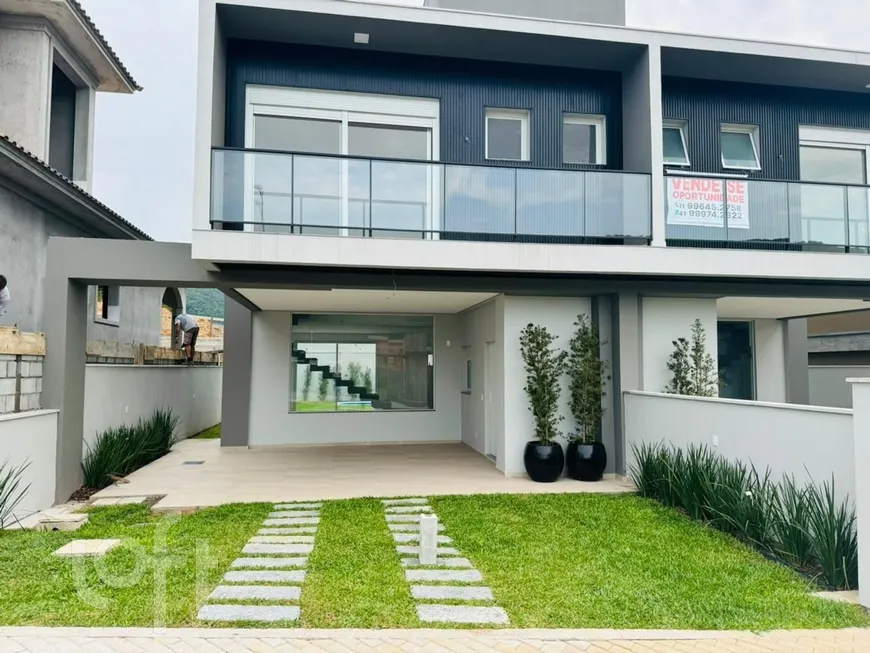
702 202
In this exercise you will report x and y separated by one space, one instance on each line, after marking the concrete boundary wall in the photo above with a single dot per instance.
122 394
32 438
805 441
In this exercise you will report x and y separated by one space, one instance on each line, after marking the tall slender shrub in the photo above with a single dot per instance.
588 375
692 368
306 384
545 365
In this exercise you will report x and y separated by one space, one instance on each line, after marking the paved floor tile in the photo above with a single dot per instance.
264 576
82 548
291 549
408 549
404 538
270 563
298 506
443 575
455 563
449 592
282 539
409 528
256 592
461 614
294 513
248 613
405 510
290 530
413 501
292 521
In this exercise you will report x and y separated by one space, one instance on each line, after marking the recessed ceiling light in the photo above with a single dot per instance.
361 37
867 86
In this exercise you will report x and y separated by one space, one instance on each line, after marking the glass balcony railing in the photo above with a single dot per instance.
276 192
775 215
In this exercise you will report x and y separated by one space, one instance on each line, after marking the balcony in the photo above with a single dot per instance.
769 215
278 192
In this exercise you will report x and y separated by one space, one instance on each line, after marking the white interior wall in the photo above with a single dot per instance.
479 328
769 346
122 394
664 319
784 437
272 423
558 314
32 438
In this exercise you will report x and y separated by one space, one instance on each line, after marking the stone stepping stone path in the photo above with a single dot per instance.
452 578
266 584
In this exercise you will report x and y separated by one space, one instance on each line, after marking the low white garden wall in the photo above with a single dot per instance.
122 394
803 441
32 437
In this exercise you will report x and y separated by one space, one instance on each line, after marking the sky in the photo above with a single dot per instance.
143 160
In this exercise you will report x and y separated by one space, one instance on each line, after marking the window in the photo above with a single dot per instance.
108 305
362 363
61 140
736 361
740 147
674 143
468 375
833 165
507 135
583 139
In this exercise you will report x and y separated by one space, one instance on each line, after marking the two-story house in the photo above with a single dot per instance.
53 62
398 188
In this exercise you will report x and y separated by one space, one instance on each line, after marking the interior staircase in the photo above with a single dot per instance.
340 382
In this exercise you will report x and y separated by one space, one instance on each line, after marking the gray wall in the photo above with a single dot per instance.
25 71
610 12
828 385
140 317
24 232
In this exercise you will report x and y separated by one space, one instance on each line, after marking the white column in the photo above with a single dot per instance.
861 435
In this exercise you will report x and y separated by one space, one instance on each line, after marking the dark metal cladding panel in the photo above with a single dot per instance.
777 110
464 87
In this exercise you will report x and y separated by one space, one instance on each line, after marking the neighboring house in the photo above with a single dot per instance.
53 62
390 192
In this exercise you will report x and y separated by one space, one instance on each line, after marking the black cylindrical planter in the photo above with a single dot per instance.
544 462
586 462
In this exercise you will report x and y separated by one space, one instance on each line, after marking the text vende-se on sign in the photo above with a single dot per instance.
702 202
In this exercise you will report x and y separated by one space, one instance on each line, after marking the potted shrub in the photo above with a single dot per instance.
544 458
587 457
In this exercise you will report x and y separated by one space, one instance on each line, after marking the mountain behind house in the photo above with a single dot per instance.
207 302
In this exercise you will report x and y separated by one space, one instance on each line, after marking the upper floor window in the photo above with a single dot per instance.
583 139
674 143
740 147
507 134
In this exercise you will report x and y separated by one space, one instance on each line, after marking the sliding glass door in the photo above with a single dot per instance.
352 173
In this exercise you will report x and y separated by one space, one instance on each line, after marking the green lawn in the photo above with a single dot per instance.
553 561
354 578
40 589
597 561
214 433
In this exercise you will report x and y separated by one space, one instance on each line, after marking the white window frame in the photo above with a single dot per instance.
600 122
347 107
524 116
681 126
752 132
